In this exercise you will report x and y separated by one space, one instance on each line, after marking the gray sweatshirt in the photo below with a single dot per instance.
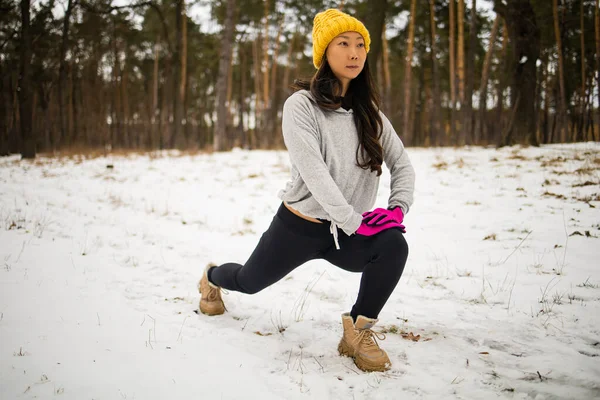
326 182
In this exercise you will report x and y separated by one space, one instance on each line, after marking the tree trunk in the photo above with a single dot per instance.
374 21
116 104
176 57
502 79
288 67
164 127
387 79
62 72
25 92
4 107
480 130
461 57
75 103
408 68
254 142
545 113
525 37
242 100
452 72
562 119
14 129
265 64
273 84
597 29
224 64
229 134
437 135
127 140
274 95
183 82
154 112
582 106
469 78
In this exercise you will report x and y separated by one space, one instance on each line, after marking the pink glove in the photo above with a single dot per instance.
381 216
366 230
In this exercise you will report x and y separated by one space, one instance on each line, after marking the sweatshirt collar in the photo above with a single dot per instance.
347 99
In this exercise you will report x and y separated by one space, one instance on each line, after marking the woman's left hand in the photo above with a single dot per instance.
382 216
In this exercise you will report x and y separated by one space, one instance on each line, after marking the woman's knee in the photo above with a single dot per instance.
249 286
394 245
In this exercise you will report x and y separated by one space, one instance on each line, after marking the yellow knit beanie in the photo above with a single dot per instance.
330 23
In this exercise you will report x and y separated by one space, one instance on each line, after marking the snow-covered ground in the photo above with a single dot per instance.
99 266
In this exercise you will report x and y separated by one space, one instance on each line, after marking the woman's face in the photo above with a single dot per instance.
346 55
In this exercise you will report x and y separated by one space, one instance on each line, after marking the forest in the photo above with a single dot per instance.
211 75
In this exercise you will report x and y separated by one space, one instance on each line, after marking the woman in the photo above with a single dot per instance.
337 140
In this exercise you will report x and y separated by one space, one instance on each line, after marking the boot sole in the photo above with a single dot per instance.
345 350
369 368
207 310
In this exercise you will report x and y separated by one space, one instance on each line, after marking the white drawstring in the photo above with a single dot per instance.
334 231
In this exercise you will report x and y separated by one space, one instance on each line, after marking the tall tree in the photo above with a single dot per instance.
452 69
155 127
480 131
25 90
177 72
265 64
387 79
524 36
253 139
408 69
583 96
470 76
183 83
436 131
4 118
502 82
597 28
461 54
374 19
62 70
562 117
224 64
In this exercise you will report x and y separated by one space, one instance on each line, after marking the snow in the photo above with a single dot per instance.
99 266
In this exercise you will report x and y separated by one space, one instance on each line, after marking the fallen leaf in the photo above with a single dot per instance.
411 336
259 333
483 352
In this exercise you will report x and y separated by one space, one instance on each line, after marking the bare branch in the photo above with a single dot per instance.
8 39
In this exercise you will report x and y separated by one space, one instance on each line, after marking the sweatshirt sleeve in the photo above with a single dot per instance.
301 138
402 185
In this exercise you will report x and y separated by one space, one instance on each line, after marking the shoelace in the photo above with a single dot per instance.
215 295
368 338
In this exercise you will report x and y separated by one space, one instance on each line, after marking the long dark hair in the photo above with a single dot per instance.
365 105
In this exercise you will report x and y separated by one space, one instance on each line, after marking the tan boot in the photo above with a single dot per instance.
359 342
211 302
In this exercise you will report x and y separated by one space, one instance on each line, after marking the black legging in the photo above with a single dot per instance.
291 241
